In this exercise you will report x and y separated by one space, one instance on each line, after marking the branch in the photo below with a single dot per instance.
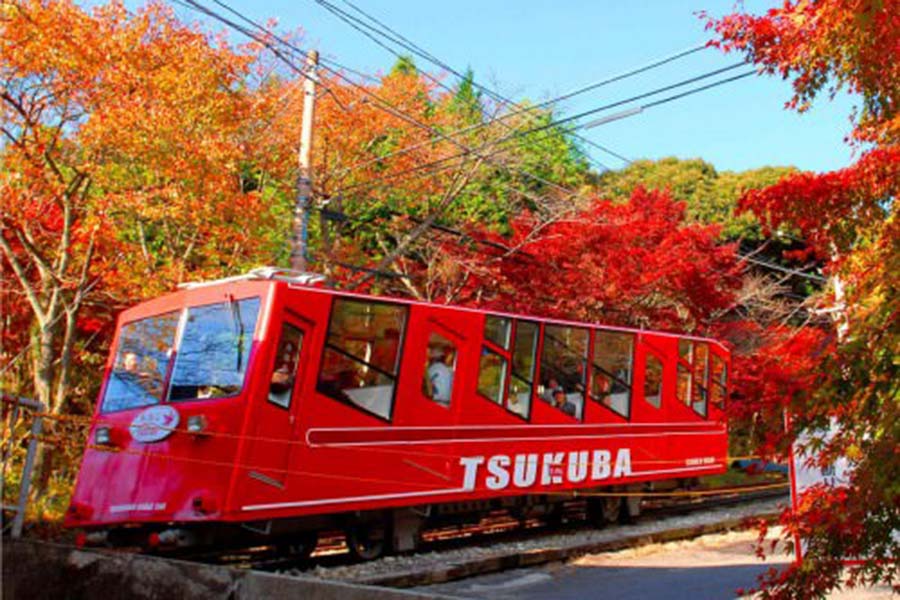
23 280
14 140
82 289
460 182
24 237
5 95
143 238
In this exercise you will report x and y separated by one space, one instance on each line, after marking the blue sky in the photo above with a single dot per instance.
537 49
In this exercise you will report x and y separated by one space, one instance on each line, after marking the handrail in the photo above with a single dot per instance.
265 273
25 485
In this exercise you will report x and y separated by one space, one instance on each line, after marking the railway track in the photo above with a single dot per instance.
496 529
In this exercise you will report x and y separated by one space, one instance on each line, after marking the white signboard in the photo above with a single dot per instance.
154 424
804 476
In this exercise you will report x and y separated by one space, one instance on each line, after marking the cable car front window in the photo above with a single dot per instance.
214 350
142 360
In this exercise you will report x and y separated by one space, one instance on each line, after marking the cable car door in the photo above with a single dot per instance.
272 440
429 402
431 364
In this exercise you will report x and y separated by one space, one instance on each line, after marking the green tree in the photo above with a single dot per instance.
466 101
711 196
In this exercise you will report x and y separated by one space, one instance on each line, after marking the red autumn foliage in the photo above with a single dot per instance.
637 262
831 44
850 219
776 378
859 194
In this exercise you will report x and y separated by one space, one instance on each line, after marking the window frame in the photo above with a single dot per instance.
399 359
585 362
686 365
506 355
592 365
432 333
285 323
722 386
700 388
505 361
510 326
511 372
164 391
182 327
649 353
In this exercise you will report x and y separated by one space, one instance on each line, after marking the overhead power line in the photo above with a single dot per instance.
388 106
379 102
392 109
410 46
493 94
525 110
569 119
777 267
406 43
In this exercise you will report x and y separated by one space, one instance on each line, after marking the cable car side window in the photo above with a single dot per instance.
718 381
685 360
653 380
699 391
491 375
440 367
563 367
506 369
494 361
612 371
361 358
523 362
141 364
284 372
497 329
214 350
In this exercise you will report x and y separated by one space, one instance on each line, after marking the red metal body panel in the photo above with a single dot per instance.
258 460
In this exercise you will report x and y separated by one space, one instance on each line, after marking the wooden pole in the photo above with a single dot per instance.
300 238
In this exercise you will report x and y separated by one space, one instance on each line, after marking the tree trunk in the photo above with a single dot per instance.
43 337
43 342
65 362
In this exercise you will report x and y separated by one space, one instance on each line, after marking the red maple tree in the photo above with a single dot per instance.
843 377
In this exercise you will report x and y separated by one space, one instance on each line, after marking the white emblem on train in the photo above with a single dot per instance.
154 424
549 468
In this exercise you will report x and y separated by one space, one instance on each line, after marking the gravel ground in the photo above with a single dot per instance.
485 549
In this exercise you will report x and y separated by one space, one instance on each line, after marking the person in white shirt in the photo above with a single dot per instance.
440 376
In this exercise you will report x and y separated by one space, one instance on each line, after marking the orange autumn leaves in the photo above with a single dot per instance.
843 376
147 113
139 151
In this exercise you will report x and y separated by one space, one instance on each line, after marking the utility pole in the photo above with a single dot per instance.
299 240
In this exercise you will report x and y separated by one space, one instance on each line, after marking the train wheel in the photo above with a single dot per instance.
300 547
554 518
632 510
605 510
367 541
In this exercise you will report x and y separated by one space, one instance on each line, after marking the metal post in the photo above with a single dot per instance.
299 251
25 485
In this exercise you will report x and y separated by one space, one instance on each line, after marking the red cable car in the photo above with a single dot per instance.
264 409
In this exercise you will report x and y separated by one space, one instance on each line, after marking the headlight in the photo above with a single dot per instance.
196 424
103 436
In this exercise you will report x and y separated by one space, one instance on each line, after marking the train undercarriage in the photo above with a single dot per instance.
371 534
